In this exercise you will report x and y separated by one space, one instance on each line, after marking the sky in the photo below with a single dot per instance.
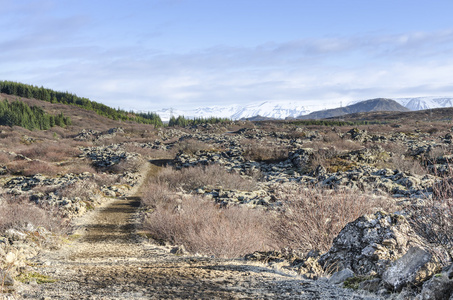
146 55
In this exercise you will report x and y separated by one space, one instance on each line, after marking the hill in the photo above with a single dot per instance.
428 115
379 104
29 91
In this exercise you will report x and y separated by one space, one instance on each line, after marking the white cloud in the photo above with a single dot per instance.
60 53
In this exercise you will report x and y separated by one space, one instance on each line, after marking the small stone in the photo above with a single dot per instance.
341 276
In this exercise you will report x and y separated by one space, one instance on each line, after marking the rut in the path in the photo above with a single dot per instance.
114 223
110 261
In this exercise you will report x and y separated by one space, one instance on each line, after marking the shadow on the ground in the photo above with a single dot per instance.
160 162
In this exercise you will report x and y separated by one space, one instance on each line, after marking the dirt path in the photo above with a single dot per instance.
110 261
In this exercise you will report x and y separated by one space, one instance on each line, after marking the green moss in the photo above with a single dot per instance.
337 164
40 278
354 282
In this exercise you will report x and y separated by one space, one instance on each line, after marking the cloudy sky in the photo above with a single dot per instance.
153 54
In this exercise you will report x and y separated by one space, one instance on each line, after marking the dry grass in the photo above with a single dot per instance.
266 152
18 212
5 158
313 217
29 168
192 146
158 195
202 227
201 176
52 152
83 189
79 167
127 165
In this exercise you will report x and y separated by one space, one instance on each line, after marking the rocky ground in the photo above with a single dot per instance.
377 256
110 260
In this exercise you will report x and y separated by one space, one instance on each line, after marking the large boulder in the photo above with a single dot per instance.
371 243
302 159
437 288
414 267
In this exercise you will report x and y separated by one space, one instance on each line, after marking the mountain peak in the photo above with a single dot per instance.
378 104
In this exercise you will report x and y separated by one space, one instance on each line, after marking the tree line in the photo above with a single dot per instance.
31 117
182 121
334 122
41 93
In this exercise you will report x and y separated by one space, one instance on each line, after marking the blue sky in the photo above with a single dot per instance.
147 55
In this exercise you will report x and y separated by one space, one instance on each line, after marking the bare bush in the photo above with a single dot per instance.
82 189
136 148
200 176
127 165
192 146
29 168
17 213
105 179
80 167
254 150
158 195
313 217
408 164
4 157
202 227
52 152
433 221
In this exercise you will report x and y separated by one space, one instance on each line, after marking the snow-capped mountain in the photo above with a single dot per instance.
421 103
269 109
292 109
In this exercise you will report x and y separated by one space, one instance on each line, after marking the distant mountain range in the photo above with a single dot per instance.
267 109
294 109
422 103
379 104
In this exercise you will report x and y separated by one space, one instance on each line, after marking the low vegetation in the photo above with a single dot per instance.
201 227
312 217
223 189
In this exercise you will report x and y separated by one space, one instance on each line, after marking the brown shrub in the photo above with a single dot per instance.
17 213
5 157
127 165
29 168
133 148
324 157
158 195
104 179
52 152
80 167
312 217
433 219
408 165
82 188
192 146
202 227
270 152
199 176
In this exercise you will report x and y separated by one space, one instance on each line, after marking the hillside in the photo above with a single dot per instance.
428 115
379 104
80 117
34 92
